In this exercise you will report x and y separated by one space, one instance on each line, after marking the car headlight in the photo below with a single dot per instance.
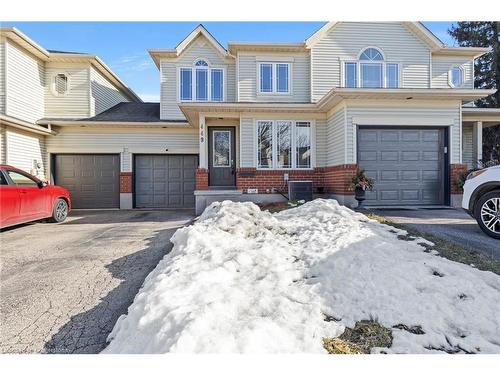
475 174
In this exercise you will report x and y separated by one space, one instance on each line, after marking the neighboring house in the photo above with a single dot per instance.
236 123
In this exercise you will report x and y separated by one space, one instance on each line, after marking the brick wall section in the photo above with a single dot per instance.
201 179
455 169
338 179
125 182
332 180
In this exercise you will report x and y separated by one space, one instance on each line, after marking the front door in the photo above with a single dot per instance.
221 157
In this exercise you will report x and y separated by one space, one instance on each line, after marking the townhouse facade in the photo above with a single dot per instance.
241 122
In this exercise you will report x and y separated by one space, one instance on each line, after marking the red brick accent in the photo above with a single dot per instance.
455 169
201 179
332 180
338 179
125 182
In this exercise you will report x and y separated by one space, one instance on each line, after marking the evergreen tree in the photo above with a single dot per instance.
486 73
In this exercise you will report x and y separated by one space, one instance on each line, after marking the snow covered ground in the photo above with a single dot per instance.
242 280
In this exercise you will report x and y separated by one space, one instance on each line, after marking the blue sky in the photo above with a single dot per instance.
123 45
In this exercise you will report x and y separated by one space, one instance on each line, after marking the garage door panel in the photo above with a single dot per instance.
168 180
92 180
409 169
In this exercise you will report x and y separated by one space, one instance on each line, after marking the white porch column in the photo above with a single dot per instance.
477 138
203 143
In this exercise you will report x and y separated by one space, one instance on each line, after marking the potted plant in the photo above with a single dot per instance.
360 182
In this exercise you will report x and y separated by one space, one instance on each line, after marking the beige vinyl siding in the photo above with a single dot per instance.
22 148
2 145
24 84
467 145
2 76
346 40
441 66
104 94
403 114
335 138
248 67
126 141
75 104
247 143
321 143
169 87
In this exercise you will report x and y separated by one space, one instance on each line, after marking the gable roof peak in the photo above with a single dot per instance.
201 30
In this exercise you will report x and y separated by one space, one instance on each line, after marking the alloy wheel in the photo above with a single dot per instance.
490 215
61 210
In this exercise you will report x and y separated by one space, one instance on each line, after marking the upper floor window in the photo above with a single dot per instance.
456 76
371 71
274 77
60 84
201 82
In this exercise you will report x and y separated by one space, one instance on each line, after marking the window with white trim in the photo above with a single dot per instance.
201 82
371 71
274 77
283 144
61 84
456 76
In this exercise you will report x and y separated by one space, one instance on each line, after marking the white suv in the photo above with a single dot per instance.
481 199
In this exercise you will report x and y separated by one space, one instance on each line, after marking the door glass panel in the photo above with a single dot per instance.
222 148
21 180
284 130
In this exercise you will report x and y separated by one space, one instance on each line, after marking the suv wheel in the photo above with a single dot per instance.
487 213
60 211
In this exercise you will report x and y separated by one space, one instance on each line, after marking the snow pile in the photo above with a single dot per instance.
242 280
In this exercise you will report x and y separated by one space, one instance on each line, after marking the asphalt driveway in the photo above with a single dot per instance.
449 224
63 286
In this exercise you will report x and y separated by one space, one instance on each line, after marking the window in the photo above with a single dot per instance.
3 180
201 82
350 75
21 179
265 144
266 78
60 84
371 71
284 135
217 85
456 76
283 144
392 76
186 77
274 78
303 144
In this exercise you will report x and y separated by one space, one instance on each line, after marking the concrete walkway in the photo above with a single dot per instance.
63 286
449 224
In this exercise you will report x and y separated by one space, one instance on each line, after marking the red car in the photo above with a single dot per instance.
25 198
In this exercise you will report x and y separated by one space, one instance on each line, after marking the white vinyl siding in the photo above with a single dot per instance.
468 145
441 66
335 138
126 141
321 143
247 143
347 39
200 48
24 84
2 145
75 103
403 114
104 94
299 84
23 148
2 77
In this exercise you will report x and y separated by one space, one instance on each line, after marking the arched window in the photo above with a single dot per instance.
201 82
371 71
